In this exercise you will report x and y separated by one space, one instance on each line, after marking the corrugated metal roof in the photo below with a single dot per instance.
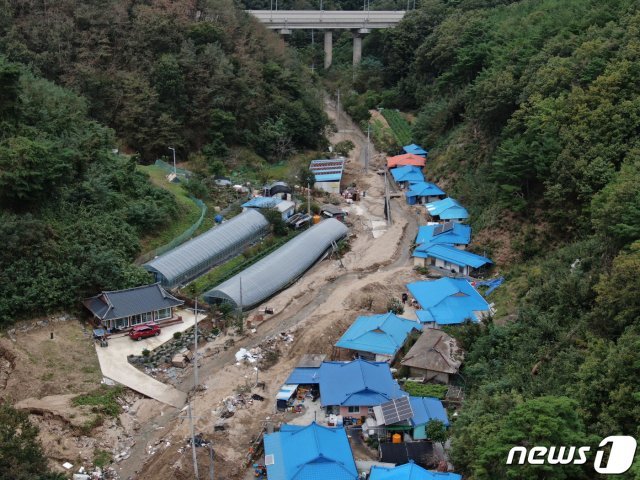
447 209
279 269
311 452
407 173
357 383
415 149
457 234
383 334
304 376
453 255
423 189
262 202
410 471
210 248
406 159
427 408
329 177
133 301
449 300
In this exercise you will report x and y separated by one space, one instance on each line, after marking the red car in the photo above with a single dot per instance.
144 331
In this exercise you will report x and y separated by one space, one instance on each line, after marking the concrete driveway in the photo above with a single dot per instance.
114 364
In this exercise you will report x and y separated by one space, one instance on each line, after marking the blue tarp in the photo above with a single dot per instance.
357 383
262 202
449 300
311 452
447 209
460 234
384 334
415 149
407 173
492 284
304 376
452 255
410 471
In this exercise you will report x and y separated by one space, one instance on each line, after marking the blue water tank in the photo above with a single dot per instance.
218 218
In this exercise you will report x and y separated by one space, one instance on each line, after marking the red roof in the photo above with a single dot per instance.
406 159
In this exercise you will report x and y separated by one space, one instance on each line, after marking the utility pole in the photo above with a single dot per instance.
193 444
195 351
366 152
174 160
387 203
313 52
309 199
338 111
241 306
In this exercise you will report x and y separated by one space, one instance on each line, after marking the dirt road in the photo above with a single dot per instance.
315 310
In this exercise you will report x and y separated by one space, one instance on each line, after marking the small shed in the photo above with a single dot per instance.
423 192
435 356
278 189
328 174
447 209
285 395
333 211
449 259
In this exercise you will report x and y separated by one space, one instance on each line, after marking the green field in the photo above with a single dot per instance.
399 125
188 211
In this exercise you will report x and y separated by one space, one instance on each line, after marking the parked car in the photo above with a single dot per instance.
144 331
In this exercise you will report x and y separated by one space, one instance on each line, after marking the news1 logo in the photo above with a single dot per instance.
621 453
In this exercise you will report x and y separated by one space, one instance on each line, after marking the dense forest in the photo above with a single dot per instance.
531 113
79 79
197 75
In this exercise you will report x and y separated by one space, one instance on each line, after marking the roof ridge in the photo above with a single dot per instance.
149 285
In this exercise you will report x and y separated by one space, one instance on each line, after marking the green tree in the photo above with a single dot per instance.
21 457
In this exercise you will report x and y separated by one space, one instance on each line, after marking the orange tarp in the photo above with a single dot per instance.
406 159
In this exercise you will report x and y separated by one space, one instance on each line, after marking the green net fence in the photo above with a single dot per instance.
169 168
180 239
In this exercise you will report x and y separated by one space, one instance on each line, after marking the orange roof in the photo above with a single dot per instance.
406 159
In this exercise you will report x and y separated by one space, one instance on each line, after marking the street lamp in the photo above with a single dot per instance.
175 172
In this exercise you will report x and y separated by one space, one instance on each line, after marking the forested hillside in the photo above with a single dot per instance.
191 74
200 76
531 113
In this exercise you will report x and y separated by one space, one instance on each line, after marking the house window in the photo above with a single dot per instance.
164 313
121 323
354 409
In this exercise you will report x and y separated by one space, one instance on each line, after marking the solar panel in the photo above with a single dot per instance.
396 410
269 460
447 227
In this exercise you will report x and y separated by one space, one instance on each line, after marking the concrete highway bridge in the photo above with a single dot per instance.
359 22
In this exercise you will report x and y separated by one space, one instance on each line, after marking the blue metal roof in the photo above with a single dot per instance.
424 189
304 376
410 471
311 452
447 209
427 408
424 316
384 334
415 149
357 383
262 202
451 254
329 177
407 173
459 235
449 300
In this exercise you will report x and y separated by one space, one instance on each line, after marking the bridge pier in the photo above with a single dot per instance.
328 48
357 49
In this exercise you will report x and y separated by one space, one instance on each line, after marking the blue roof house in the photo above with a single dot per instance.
311 452
285 207
447 210
448 233
353 387
449 259
426 409
328 174
407 174
448 301
423 192
415 149
378 337
410 471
